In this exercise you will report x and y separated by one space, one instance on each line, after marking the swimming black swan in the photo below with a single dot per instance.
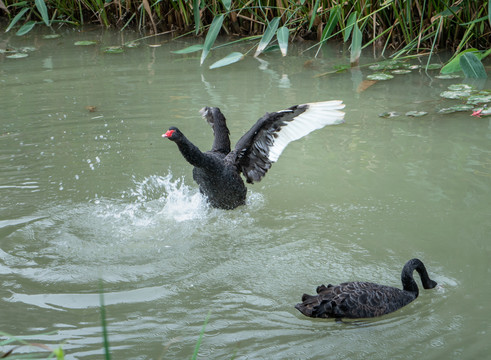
365 299
217 171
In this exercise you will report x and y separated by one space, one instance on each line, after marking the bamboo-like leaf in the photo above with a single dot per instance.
227 4
17 18
213 31
25 28
314 13
227 60
489 12
282 35
472 66
331 23
349 26
196 15
43 10
356 40
189 49
267 36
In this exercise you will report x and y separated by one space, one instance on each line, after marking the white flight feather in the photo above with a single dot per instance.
315 117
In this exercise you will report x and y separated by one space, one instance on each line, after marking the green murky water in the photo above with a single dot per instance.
99 194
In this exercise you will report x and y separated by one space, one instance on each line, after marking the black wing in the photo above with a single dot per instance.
263 144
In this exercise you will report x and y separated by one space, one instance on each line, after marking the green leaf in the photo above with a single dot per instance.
227 4
17 18
267 36
196 15
43 10
113 49
356 40
213 31
282 35
84 43
331 23
189 49
227 60
25 28
349 26
314 13
472 66
454 64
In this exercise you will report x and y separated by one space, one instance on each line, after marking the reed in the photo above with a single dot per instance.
395 27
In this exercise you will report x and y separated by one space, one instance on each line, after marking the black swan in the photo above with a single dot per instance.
365 299
217 171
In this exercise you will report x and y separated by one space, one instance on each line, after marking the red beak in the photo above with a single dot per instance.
168 133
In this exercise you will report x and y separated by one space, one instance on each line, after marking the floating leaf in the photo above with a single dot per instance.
433 66
84 43
459 87
386 65
447 76
43 10
389 114
227 4
414 67
113 50
51 36
455 108
282 35
479 99
380 76
472 66
189 49
24 29
213 31
267 36
27 49
457 94
132 44
17 56
400 71
416 113
227 60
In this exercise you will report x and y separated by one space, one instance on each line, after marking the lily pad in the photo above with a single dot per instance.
400 71
414 67
479 99
132 44
51 36
459 87
389 64
447 76
434 66
17 56
85 43
416 113
455 108
380 76
27 49
389 114
456 94
113 50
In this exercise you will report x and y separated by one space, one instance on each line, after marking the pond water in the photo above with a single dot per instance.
90 190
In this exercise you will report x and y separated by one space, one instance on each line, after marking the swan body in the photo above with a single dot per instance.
218 171
365 299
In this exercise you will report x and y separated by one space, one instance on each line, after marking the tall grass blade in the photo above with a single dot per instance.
331 23
24 29
472 66
314 13
349 26
356 40
227 60
267 36
43 10
196 15
105 336
213 31
489 12
198 343
17 18
282 35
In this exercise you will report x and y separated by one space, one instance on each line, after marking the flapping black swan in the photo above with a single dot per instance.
365 299
217 171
